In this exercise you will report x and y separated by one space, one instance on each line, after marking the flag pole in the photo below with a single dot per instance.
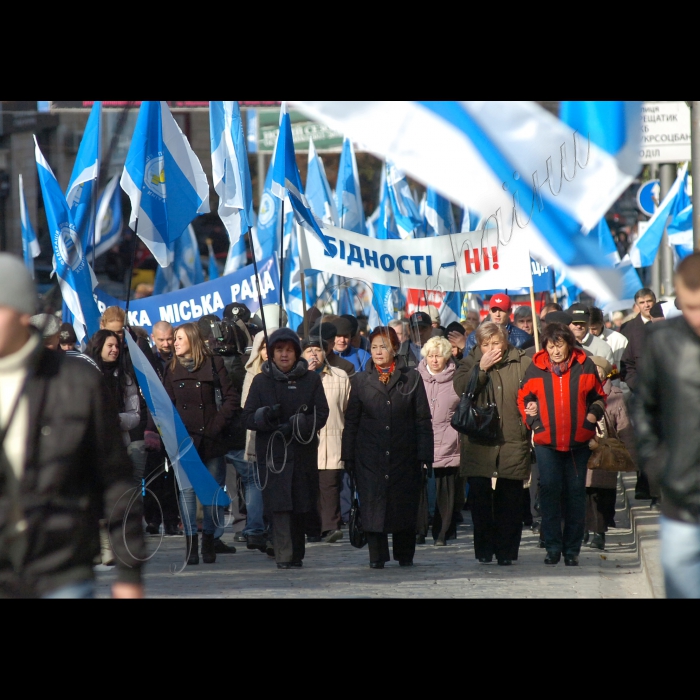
257 283
279 317
131 269
535 330
303 302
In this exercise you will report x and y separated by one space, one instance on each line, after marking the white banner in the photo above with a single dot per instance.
466 262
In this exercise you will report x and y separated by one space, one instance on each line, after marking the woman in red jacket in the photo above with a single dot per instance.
561 400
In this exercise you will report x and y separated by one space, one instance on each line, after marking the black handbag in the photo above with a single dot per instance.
358 538
477 414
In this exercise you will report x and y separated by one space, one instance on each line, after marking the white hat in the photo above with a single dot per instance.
17 290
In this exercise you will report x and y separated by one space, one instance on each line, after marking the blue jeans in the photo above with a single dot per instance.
213 516
254 524
563 496
80 589
680 558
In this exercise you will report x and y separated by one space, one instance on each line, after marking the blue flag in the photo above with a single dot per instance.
404 210
163 179
266 236
30 245
188 466
439 221
184 268
292 279
351 213
82 183
318 191
383 296
230 169
286 179
213 267
108 223
644 249
75 277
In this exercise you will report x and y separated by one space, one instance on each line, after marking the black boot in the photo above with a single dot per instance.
208 553
192 549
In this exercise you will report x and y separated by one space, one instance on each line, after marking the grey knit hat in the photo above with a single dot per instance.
48 324
17 290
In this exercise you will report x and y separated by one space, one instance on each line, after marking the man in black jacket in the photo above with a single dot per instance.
635 332
666 407
63 464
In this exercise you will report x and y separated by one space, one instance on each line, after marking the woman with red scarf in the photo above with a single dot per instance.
387 442
561 401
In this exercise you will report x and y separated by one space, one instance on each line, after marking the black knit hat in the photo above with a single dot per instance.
283 335
312 342
657 311
354 323
326 330
559 317
455 326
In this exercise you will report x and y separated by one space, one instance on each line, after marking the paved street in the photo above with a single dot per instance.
340 571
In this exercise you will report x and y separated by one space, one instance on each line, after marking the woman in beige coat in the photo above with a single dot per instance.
336 385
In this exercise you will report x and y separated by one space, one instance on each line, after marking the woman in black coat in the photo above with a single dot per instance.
387 442
287 406
191 380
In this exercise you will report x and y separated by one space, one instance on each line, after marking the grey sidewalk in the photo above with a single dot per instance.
340 571
645 529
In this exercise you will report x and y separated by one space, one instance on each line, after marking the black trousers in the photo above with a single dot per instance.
288 535
326 516
599 503
164 489
444 525
497 516
404 545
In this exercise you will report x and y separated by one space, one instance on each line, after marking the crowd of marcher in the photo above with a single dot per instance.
299 423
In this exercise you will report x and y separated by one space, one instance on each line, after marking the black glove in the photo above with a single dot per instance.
302 426
285 429
275 412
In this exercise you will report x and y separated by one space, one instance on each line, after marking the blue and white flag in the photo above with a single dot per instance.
30 245
163 179
404 208
286 179
439 221
189 468
383 296
213 266
237 256
680 228
266 237
470 219
75 278
108 223
323 207
643 250
230 170
184 266
318 191
83 181
351 213
292 280
502 154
